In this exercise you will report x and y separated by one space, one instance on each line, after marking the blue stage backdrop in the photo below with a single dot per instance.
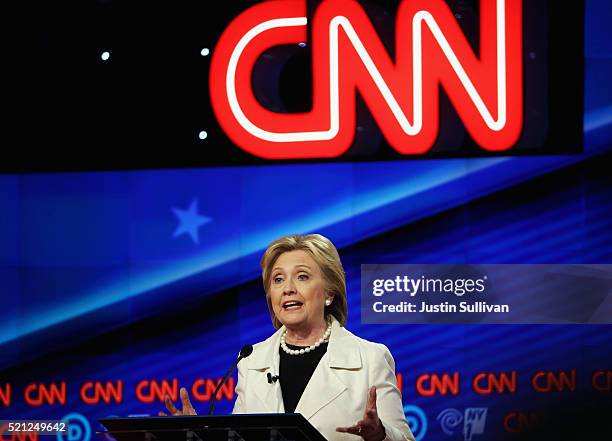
119 287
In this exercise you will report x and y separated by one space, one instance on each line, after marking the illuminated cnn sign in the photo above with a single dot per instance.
349 58
253 82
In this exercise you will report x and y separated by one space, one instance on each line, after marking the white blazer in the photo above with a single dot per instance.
337 392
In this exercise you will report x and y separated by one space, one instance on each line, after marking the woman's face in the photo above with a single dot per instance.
297 291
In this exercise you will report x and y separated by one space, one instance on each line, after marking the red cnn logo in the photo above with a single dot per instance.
92 392
485 383
429 385
37 394
348 58
548 381
148 391
203 389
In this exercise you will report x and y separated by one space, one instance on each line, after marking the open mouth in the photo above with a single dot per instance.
292 305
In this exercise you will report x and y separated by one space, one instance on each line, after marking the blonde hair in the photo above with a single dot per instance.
326 256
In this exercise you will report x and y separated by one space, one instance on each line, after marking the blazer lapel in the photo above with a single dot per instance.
325 385
266 360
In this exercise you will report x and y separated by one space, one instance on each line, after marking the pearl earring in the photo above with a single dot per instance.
328 302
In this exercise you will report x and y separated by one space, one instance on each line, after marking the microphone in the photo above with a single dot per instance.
272 378
244 352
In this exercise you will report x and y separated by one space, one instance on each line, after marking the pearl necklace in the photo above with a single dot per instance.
283 343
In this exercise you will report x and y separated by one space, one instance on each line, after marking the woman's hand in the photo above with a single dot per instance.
187 407
370 427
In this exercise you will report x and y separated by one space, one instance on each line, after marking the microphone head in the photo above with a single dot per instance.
246 351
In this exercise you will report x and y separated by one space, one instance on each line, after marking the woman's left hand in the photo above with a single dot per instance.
370 427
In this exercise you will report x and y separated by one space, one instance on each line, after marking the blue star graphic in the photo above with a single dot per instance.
190 221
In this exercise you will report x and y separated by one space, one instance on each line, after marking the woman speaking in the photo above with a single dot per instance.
344 385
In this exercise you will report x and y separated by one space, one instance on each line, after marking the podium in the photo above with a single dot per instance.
242 427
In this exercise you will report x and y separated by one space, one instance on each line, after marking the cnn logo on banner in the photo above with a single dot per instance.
349 58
